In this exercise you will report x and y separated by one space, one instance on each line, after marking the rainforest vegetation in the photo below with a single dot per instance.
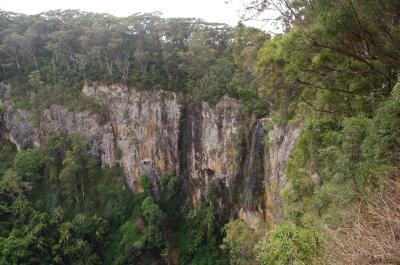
334 71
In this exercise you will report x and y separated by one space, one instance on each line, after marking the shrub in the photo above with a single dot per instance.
289 244
28 164
240 242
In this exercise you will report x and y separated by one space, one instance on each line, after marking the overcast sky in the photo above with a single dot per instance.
226 11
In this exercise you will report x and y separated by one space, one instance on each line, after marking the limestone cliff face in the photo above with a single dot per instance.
155 133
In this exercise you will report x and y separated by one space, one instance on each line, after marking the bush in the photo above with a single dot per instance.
28 164
289 244
7 154
145 184
151 212
240 242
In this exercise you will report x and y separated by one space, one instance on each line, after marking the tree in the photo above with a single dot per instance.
7 153
289 244
240 242
79 169
151 212
27 164
12 187
332 55
30 244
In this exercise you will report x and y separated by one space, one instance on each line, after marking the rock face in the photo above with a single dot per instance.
268 152
148 132
281 144
144 129
208 144
155 133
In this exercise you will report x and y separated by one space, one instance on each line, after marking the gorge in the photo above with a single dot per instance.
153 140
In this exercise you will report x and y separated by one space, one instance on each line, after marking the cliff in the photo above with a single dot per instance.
157 133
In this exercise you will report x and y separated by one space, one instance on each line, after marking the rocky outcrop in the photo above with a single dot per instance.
144 127
254 165
155 133
209 138
148 132
281 141
268 150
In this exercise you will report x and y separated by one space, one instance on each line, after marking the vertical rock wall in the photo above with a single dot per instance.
145 130
155 133
268 151
281 143
208 146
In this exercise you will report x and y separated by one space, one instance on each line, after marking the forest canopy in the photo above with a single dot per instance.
67 48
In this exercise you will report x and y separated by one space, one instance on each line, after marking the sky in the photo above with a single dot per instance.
225 11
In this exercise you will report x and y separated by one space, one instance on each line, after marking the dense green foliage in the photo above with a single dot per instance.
288 244
56 52
58 206
240 242
44 219
335 72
